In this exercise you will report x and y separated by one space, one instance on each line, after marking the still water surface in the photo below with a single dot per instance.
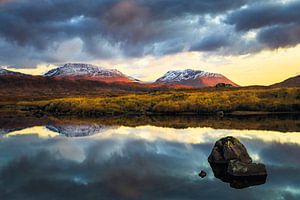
96 161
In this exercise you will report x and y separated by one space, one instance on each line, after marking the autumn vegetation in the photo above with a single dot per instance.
174 102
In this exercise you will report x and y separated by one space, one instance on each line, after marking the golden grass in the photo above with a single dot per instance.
177 102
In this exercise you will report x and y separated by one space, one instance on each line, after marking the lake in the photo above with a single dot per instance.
142 158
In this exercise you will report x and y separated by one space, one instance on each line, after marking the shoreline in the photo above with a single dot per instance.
282 122
29 112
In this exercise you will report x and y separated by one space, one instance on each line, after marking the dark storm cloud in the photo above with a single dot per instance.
36 30
280 35
277 24
38 23
211 43
39 29
260 15
175 8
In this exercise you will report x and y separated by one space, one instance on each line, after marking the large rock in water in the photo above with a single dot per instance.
227 149
231 163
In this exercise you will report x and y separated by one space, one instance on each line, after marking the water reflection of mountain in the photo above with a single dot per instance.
283 123
74 130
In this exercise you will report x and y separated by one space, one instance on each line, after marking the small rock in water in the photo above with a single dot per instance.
220 114
202 174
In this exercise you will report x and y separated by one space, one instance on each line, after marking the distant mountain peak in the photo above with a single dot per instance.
8 72
179 75
82 69
195 78
88 71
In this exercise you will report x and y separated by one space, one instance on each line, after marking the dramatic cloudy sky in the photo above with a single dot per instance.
249 41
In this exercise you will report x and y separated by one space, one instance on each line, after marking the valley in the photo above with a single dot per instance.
88 90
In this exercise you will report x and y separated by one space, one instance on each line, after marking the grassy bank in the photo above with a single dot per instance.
284 123
176 102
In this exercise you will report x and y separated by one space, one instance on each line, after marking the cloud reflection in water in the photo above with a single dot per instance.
140 163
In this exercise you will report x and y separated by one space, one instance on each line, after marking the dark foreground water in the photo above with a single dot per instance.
76 160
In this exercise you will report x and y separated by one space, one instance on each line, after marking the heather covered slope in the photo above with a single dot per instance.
25 87
37 87
176 102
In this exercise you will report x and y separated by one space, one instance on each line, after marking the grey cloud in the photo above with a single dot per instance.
174 8
280 36
5 1
35 30
261 15
277 24
211 43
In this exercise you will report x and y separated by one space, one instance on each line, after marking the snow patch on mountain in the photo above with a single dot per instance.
79 69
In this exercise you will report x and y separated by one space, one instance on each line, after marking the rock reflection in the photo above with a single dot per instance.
220 172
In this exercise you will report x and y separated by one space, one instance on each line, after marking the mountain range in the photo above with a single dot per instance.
78 79
177 78
83 79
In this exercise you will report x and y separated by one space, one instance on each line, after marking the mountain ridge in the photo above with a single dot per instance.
194 78
187 78
9 72
89 72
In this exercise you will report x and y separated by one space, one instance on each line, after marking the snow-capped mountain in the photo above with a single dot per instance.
8 72
88 71
195 78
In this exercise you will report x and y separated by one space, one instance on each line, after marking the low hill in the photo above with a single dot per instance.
291 82
18 86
